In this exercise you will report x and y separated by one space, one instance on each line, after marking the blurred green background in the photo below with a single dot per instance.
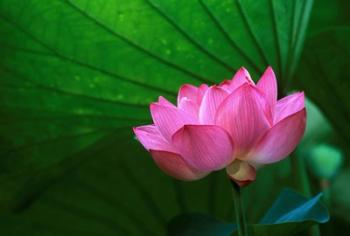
76 75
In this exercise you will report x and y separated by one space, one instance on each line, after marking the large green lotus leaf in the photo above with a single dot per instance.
324 74
291 213
329 13
199 224
74 73
112 193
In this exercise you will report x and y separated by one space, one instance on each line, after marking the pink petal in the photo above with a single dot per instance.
204 147
211 101
189 106
244 115
187 91
164 102
173 165
201 91
268 85
241 77
169 119
280 140
241 172
225 85
192 93
289 105
150 137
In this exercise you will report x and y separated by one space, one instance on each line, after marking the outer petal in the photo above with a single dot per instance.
268 85
169 119
164 102
187 91
288 106
225 85
189 106
174 165
150 137
241 172
192 93
204 147
280 140
201 91
211 101
244 115
241 77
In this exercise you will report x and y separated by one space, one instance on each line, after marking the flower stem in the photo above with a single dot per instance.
299 169
239 210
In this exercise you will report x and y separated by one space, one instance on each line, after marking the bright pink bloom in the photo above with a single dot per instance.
237 125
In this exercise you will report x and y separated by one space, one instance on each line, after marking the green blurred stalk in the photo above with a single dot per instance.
303 184
239 210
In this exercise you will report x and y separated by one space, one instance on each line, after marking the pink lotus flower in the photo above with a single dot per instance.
237 125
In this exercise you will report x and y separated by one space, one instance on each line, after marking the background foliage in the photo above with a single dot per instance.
76 75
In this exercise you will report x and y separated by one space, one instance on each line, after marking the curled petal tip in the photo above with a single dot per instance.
242 68
163 101
269 68
245 72
269 72
150 137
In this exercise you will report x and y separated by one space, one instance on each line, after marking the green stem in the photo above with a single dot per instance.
239 210
304 181
299 169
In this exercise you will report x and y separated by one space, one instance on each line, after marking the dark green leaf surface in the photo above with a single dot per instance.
324 75
113 193
291 213
198 224
326 14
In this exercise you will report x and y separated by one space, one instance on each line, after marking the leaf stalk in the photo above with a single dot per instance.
239 210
